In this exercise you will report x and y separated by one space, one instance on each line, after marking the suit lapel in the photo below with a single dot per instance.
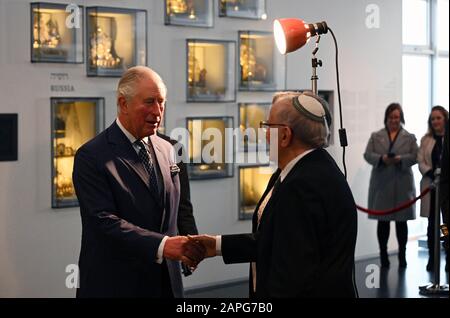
164 168
126 153
271 183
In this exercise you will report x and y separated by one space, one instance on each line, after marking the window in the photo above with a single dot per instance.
425 71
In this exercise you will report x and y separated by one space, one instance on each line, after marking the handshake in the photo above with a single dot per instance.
190 250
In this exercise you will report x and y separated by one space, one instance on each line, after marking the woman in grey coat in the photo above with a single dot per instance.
392 151
429 158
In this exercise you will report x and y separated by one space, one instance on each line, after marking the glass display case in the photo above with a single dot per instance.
261 68
56 35
210 147
253 181
250 115
116 40
210 71
328 95
196 13
247 9
74 122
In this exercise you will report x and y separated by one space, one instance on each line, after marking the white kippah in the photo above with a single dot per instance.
312 105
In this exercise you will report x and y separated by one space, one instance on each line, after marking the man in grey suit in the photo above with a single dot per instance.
127 183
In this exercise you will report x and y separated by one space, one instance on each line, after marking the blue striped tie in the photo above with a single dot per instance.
148 164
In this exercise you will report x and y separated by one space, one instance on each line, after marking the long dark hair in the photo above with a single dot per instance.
391 107
444 113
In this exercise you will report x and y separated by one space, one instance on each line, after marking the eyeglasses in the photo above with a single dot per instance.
265 124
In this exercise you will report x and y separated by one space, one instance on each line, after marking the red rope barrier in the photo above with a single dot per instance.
396 209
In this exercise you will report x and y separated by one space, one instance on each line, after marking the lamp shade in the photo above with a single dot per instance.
290 34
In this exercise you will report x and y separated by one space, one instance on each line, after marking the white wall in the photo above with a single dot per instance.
37 243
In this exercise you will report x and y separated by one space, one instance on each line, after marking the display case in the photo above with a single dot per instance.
253 182
162 124
247 9
8 137
250 115
74 122
210 146
56 35
328 95
210 71
261 68
196 13
116 40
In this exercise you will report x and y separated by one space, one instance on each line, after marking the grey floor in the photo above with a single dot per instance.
392 283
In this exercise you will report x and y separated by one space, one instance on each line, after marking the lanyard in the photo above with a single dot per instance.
392 141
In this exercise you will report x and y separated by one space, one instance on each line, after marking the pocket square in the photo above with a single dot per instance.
174 170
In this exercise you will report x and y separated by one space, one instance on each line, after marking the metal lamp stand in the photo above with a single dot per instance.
315 64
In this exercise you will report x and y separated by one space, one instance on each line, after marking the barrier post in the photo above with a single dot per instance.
435 288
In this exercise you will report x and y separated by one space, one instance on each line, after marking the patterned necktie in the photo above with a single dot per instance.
148 164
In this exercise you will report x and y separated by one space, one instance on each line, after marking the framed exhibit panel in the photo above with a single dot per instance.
210 147
247 9
196 13
74 122
253 181
250 115
116 40
261 67
56 33
210 67
8 137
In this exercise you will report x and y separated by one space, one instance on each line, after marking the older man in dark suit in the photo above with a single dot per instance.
304 227
127 183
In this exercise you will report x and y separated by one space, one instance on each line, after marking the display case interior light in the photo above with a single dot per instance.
197 13
210 71
247 9
253 181
250 115
209 148
117 40
260 68
74 122
51 38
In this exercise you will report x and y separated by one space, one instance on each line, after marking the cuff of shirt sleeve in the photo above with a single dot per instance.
159 255
219 245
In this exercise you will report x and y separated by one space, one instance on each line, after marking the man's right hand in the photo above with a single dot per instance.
180 248
208 242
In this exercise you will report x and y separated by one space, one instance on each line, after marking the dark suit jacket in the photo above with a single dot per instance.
186 220
123 220
304 246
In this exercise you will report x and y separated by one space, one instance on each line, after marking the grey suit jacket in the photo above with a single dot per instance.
391 185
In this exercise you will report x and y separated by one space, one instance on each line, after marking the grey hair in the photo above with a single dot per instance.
129 80
305 130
